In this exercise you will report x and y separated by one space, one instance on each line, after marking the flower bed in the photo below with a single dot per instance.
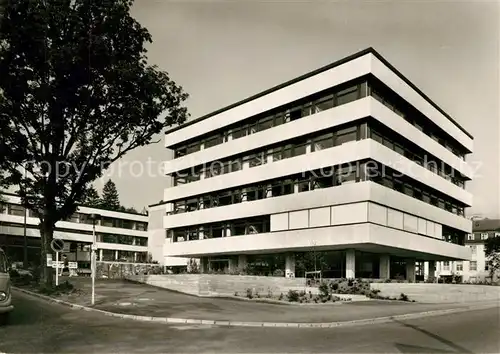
338 290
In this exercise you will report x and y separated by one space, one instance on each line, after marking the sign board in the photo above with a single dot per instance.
71 265
57 245
49 260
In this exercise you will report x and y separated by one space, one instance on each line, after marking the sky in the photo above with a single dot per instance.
223 51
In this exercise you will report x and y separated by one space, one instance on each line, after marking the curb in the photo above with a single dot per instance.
172 320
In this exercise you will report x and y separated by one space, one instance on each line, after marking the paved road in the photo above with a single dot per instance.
38 326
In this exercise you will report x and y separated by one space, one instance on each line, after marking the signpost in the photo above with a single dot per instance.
57 246
94 218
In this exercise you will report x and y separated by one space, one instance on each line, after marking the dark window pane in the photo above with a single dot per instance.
239 132
377 137
323 104
225 199
408 190
299 150
323 142
278 119
303 186
388 143
288 187
398 185
348 95
266 123
214 140
193 148
257 159
236 165
346 135
346 175
399 149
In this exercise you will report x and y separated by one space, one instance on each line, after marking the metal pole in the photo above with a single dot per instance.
93 261
25 239
57 268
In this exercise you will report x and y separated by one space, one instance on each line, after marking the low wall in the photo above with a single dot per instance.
220 284
115 270
439 293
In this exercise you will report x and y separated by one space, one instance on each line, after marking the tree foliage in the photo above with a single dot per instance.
110 198
76 94
92 198
492 254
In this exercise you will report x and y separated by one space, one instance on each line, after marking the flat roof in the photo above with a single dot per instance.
86 206
318 71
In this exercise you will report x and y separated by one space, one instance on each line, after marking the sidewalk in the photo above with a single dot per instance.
143 300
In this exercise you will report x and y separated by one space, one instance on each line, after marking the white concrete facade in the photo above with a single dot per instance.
363 216
156 233
134 248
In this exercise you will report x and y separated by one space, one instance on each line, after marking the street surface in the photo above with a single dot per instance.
38 326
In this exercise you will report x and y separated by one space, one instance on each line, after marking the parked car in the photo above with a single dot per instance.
5 291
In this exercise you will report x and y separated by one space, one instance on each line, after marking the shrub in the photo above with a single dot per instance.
403 297
293 296
335 286
235 293
323 289
281 296
249 293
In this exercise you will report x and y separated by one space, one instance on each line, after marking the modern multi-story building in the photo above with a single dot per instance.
477 268
350 161
121 237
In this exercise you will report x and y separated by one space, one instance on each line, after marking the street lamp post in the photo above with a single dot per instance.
94 218
25 239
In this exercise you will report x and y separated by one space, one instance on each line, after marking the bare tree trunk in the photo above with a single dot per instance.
47 235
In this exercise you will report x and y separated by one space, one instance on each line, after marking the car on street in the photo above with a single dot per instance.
5 289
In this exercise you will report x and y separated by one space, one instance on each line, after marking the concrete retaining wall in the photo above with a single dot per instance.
439 293
220 284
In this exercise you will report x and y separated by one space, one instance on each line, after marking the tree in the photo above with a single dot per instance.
492 254
76 94
110 197
92 198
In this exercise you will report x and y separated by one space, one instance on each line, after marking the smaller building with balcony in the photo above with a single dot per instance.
121 236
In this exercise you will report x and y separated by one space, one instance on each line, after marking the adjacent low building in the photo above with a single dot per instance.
121 236
475 270
350 166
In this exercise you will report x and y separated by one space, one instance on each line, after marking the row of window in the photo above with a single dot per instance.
101 237
327 177
394 102
319 179
122 256
390 178
336 96
460 266
482 236
415 153
292 148
236 227
122 239
323 141
333 97
18 210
